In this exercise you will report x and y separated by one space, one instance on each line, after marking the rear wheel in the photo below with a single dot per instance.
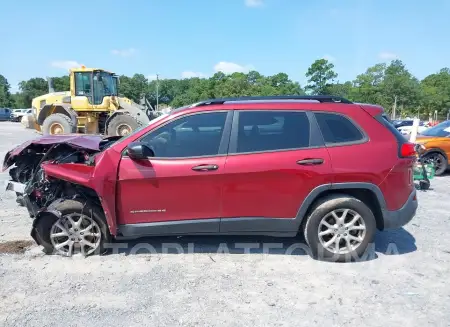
122 125
339 228
439 161
58 124
81 229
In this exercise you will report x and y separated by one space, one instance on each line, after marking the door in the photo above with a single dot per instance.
275 161
184 179
83 91
4 114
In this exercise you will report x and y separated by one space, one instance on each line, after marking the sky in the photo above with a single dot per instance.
187 38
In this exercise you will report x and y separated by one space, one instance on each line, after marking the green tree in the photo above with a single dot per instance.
5 95
133 88
320 76
61 83
401 88
32 88
18 101
367 87
344 90
435 93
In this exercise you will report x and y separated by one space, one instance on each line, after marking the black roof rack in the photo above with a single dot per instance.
319 98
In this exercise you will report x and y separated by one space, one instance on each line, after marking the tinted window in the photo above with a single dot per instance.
83 84
337 128
191 136
383 119
272 130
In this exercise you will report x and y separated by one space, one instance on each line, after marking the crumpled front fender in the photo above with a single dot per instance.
80 174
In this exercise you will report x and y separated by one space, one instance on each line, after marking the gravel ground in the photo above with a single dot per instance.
403 283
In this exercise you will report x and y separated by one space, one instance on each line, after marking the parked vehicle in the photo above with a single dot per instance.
436 141
17 114
405 126
5 114
322 166
91 106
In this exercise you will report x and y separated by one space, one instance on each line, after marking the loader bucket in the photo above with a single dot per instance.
135 111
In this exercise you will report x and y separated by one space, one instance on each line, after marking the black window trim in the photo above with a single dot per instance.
363 140
315 137
223 146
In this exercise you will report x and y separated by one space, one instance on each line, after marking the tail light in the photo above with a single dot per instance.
407 150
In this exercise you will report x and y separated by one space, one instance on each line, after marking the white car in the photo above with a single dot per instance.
17 114
406 130
404 126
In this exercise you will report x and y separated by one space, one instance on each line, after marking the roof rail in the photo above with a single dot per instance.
319 98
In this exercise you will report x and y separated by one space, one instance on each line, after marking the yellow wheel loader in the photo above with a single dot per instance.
91 106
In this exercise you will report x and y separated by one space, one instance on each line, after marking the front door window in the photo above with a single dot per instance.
197 135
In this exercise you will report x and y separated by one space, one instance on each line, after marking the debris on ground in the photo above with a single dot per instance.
15 247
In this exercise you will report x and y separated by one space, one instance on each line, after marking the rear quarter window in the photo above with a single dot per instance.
384 120
338 129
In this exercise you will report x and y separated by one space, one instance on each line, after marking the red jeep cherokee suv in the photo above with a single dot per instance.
319 165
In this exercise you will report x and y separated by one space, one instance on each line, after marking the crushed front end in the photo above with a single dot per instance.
41 192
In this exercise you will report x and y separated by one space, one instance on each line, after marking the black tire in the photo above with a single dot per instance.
121 122
65 207
325 206
64 121
440 161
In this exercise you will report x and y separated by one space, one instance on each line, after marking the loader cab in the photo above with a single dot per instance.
93 85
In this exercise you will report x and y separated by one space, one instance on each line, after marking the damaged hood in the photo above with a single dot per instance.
83 141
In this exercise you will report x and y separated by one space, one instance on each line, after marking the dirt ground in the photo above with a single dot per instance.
218 281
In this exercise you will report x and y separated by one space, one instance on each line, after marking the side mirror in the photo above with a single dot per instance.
139 151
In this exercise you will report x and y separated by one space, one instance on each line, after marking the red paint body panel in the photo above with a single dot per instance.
375 161
70 172
102 178
170 186
398 184
271 185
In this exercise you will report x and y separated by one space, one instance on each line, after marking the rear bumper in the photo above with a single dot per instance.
402 216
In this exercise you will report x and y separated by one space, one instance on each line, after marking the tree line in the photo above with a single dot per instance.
388 85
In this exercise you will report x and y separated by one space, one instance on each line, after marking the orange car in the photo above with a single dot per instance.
436 141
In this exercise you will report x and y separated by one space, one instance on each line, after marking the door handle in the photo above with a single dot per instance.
205 167
310 162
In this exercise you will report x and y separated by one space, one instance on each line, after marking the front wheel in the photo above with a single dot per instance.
81 229
339 228
122 125
58 124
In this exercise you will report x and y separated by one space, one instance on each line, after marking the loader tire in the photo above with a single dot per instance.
122 125
58 124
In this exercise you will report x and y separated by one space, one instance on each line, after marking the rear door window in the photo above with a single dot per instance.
260 131
337 129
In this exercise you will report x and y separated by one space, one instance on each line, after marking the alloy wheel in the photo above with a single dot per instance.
342 231
439 162
75 233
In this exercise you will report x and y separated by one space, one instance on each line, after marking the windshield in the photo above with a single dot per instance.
440 130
